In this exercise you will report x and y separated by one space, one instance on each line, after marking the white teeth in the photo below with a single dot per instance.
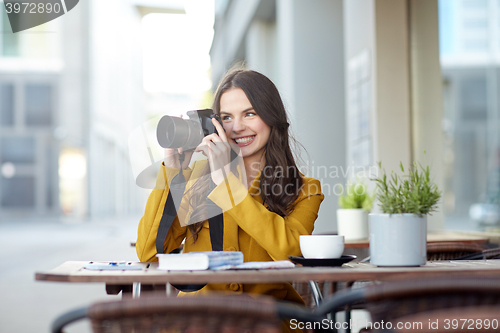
244 140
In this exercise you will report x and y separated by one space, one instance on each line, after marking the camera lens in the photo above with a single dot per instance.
175 132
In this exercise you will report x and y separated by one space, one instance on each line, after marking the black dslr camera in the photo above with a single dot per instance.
175 132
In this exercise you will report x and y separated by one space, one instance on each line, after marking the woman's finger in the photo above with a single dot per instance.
212 137
203 148
217 149
220 130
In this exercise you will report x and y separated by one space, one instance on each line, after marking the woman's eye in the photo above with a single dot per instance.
251 114
225 118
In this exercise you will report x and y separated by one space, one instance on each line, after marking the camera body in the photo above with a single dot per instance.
176 132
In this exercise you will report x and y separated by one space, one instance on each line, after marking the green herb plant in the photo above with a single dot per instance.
357 196
412 192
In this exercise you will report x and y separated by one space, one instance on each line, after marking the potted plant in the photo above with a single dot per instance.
352 219
398 236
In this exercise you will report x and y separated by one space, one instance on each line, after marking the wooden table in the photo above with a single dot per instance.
73 271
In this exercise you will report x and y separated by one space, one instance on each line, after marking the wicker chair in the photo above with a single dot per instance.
452 250
391 301
200 314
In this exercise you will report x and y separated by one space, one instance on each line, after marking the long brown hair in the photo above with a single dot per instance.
280 170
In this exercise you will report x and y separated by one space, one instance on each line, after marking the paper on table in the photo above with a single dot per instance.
112 265
258 265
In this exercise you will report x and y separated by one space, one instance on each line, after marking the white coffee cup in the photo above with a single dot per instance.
321 246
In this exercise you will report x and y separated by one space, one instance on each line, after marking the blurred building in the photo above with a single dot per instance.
70 94
360 78
29 115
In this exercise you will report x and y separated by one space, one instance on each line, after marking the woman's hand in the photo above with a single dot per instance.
171 159
217 149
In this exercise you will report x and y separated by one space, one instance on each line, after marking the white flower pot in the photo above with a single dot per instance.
398 239
352 223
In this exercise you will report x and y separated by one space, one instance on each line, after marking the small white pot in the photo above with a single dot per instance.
352 223
398 239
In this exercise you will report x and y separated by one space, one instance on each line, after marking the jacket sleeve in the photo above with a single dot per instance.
278 235
148 225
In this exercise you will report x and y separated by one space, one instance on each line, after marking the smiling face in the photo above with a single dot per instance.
244 128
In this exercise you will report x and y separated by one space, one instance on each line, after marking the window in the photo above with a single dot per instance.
473 99
39 104
480 24
476 45
17 150
17 192
470 4
6 104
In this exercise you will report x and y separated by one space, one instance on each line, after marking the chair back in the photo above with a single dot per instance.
186 314
156 312
390 301
452 250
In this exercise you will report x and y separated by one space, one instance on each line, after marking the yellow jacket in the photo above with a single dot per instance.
248 227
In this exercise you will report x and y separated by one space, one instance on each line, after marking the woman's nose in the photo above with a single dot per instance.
238 125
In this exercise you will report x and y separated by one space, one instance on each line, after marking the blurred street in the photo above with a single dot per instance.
29 306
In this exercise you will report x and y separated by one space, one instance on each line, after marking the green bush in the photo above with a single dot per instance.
410 193
356 196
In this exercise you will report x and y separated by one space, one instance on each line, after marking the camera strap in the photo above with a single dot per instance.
215 225
175 193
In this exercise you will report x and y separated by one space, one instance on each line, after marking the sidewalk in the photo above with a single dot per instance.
29 306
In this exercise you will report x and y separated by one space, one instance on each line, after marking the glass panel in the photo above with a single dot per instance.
473 98
476 24
476 45
17 192
475 3
471 117
17 149
39 104
6 104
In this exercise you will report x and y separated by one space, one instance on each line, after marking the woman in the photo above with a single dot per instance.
272 204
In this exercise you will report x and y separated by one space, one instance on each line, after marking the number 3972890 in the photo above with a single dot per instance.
470 324
32 8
